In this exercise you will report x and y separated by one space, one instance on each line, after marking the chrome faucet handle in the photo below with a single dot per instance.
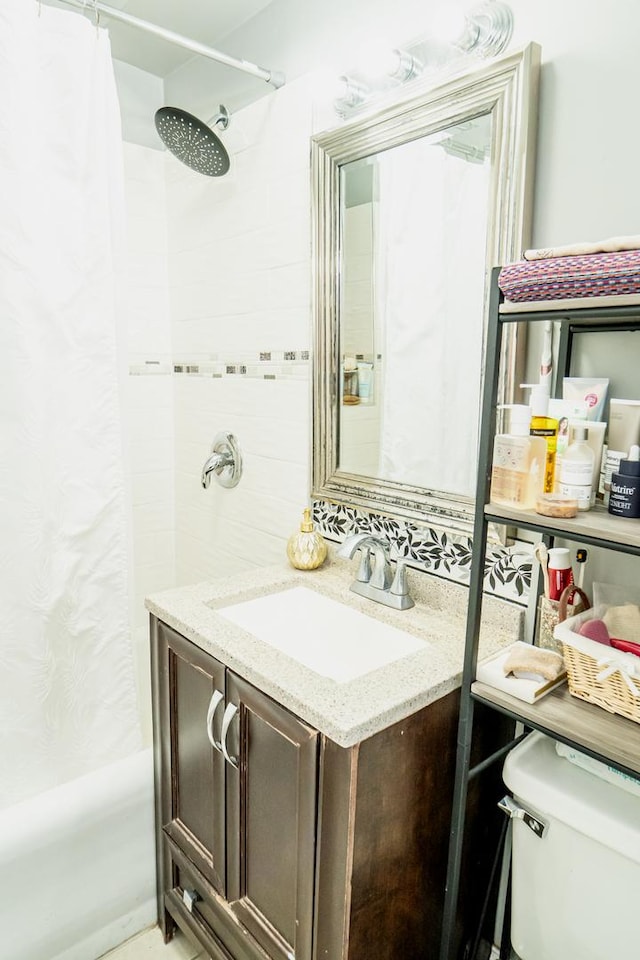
364 570
400 586
225 461
399 589
381 575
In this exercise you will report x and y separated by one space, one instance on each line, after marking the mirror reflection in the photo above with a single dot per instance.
414 228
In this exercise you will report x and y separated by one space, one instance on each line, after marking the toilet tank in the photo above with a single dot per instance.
575 890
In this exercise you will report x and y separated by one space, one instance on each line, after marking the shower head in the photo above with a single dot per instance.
192 141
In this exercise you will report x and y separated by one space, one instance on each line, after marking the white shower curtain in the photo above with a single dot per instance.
67 692
431 225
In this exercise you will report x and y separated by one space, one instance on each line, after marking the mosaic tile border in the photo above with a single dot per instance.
260 365
150 368
507 569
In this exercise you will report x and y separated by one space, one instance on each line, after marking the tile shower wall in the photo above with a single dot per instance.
149 396
240 278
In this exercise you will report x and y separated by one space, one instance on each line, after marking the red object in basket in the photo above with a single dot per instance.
559 570
628 646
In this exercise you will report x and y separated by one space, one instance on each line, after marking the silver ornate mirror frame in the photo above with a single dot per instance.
506 89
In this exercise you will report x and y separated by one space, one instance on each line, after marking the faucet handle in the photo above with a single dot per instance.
364 570
381 575
400 587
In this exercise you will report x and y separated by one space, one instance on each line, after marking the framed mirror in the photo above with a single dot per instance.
413 205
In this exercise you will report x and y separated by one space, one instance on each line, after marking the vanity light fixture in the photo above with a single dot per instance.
487 30
402 66
483 31
390 67
350 93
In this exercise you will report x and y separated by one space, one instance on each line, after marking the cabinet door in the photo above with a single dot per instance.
194 783
271 821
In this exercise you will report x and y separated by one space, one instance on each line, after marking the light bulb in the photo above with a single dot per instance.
348 93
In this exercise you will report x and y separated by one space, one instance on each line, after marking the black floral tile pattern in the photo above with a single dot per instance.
507 572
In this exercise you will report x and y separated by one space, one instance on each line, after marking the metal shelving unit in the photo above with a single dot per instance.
605 736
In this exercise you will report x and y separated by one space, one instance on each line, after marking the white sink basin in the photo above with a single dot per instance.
328 637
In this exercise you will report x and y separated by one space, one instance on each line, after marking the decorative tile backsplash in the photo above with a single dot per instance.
507 569
261 365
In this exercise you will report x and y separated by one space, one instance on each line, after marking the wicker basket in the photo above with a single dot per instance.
599 674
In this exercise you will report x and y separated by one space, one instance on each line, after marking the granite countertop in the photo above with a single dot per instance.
346 712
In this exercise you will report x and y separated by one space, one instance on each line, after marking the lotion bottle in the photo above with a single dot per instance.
576 469
542 425
518 462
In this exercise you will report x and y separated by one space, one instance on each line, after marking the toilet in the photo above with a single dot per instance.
575 889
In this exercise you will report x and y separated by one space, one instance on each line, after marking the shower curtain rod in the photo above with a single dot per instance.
274 77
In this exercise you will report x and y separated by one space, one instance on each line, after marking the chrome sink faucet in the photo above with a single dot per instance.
376 580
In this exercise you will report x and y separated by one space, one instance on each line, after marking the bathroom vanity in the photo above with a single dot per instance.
299 815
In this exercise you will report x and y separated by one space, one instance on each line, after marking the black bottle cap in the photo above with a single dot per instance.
630 467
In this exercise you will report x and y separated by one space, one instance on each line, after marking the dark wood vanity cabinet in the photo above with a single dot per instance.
236 799
275 843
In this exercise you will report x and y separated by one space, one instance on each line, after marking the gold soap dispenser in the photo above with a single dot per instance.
306 548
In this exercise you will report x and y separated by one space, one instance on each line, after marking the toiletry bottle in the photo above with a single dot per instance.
306 548
624 498
349 380
365 381
559 571
518 462
543 426
623 433
576 469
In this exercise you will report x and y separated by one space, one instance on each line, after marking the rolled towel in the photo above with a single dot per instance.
624 622
531 663
610 245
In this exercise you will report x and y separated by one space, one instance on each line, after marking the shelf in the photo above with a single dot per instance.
596 527
606 736
586 308
612 739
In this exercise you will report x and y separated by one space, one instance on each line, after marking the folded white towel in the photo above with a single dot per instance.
610 245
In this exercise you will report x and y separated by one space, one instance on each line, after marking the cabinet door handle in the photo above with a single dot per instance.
190 898
214 703
229 714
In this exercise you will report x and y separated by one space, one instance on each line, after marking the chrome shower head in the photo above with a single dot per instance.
193 142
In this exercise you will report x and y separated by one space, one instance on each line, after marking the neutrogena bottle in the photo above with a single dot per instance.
546 427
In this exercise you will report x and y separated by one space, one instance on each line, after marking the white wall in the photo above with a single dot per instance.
140 95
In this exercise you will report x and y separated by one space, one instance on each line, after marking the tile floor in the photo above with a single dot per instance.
149 945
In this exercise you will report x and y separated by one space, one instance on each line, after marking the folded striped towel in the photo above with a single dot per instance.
561 278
